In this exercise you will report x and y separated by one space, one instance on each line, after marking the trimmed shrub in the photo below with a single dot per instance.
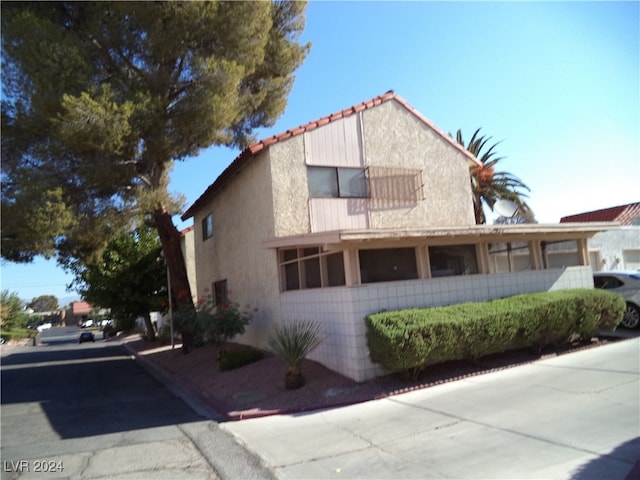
231 359
409 340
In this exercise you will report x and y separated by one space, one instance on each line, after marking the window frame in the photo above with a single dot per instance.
207 226
335 190
377 276
299 266
454 262
220 292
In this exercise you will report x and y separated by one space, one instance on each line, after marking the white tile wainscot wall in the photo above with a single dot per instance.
341 310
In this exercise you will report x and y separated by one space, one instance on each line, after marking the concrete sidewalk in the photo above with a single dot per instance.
576 416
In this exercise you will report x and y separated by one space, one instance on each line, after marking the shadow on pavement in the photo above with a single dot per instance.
601 466
90 391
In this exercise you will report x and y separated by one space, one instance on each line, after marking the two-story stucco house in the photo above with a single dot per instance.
364 210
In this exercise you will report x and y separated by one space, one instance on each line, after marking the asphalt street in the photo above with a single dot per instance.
575 416
89 411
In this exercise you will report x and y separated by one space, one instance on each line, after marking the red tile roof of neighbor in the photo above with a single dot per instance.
81 308
255 148
622 213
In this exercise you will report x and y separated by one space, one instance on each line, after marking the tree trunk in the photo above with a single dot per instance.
478 210
151 333
173 257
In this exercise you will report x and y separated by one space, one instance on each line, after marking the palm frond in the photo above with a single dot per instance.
489 186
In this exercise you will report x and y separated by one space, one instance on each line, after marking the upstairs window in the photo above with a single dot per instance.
207 227
337 182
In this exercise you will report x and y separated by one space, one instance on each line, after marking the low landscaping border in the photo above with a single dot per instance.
410 340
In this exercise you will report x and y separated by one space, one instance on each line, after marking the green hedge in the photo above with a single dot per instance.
409 340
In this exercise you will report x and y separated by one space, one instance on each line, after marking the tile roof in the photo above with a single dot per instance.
249 152
622 213
80 308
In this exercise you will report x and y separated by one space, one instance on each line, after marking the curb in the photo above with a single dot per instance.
197 399
212 407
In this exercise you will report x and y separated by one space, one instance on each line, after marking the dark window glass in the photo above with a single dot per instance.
220 292
335 269
292 282
388 264
288 255
312 273
453 260
352 182
207 227
323 182
606 282
335 182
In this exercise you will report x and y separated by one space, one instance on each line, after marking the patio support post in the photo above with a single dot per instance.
422 257
482 253
535 254
351 267
583 252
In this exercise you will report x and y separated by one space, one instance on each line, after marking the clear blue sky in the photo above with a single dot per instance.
557 83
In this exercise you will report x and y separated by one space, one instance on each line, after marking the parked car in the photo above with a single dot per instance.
626 284
87 337
87 324
43 327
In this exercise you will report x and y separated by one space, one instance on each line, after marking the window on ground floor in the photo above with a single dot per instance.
510 257
310 267
560 254
453 260
220 293
387 264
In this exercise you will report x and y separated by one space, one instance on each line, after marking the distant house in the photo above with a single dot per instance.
364 210
617 249
80 312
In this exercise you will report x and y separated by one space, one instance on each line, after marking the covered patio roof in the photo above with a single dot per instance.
338 239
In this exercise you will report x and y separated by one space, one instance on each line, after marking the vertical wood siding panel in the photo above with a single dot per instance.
336 144
338 214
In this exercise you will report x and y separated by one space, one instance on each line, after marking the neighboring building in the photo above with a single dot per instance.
364 210
80 312
617 249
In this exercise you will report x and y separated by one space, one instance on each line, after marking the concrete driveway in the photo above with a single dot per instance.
576 416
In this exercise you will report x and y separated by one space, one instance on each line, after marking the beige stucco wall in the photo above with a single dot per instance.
394 137
290 191
242 218
188 251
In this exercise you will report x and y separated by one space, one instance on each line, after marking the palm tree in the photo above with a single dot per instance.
489 186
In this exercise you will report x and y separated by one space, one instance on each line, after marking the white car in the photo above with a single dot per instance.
626 284
44 326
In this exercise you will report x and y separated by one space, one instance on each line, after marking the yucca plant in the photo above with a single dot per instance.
293 342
